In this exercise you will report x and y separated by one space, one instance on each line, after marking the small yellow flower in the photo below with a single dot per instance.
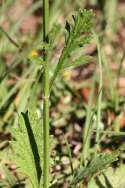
67 74
34 53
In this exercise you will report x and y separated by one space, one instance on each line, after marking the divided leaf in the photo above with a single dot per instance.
98 163
110 178
78 35
79 32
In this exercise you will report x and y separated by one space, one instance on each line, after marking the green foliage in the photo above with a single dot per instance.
28 137
77 36
111 178
27 145
98 163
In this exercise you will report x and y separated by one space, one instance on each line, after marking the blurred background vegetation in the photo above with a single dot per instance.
74 97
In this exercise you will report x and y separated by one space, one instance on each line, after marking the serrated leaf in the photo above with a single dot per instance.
27 145
80 61
98 163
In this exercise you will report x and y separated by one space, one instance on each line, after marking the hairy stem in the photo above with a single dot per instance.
46 96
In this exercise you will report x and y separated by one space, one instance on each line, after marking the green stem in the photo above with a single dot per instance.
46 96
87 132
99 102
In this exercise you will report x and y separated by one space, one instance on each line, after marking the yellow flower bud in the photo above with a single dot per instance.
34 53
67 74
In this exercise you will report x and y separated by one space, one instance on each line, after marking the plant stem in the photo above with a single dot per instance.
87 132
46 96
99 102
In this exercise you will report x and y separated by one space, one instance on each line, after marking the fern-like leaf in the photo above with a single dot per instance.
99 163
27 145
78 35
